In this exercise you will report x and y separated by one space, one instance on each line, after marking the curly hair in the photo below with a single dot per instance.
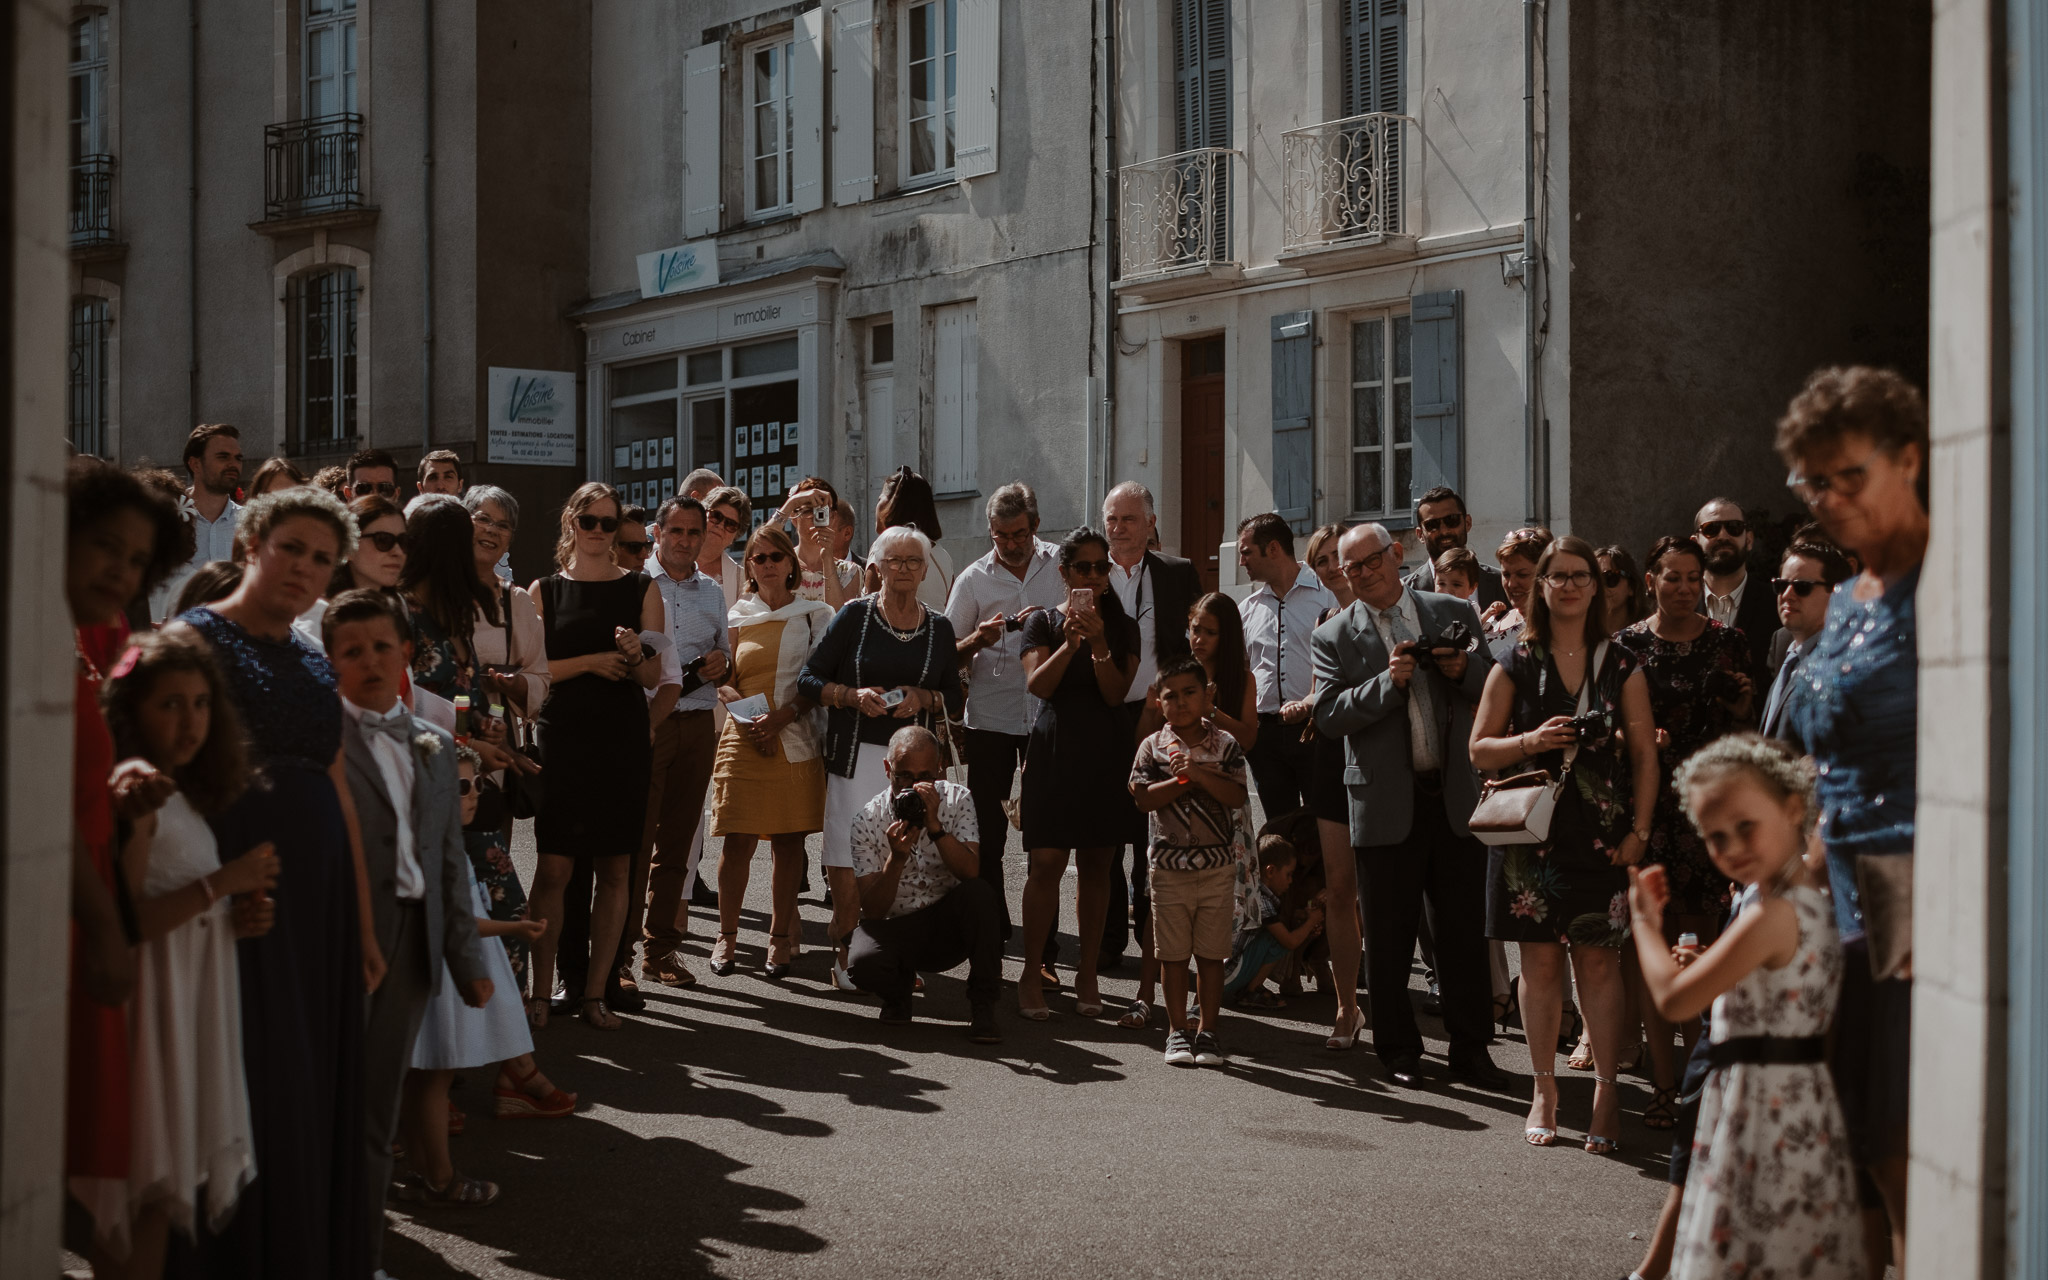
1852 400
173 490
1782 770
219 773
587 495
95 489
264 514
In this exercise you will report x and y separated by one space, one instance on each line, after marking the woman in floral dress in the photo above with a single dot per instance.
1568 898
1700 690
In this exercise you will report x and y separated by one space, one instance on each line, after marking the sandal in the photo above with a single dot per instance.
537 1012
593 1011
518 1103
1137 1017
1662 1111
781 951
459 1193
1582 1056
1569 1029
1537 1135
724 953
1596 1144
1347 1031
1633 1060
1507 1008
1260 998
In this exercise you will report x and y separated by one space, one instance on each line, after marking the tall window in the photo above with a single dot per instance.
330 58
323 324
771 132
1201 119
1374 78
92 169
931 80
1382 416
87 419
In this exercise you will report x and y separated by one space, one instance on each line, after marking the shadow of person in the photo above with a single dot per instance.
550 1222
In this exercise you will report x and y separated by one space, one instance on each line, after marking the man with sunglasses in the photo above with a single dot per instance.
1725 539
1443 522
372 471
1804 583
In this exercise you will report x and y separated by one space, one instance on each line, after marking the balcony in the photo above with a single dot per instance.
1343 186
1174 216
313 172
92 202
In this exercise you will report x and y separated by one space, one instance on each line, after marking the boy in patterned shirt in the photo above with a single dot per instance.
1190 778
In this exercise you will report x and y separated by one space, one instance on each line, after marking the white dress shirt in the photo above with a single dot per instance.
996 698
1723 609
1134 589
214 539
395 763
1400 621
1276 638
693 612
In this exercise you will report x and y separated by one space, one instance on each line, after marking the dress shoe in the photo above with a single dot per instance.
627 997
1406 1072
1481 1073
1433 1000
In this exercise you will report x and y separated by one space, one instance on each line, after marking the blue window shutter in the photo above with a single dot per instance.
1294 418
1436 337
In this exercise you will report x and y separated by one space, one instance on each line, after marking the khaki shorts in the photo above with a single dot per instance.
1192 914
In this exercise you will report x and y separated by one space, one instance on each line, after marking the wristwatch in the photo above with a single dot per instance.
1640 834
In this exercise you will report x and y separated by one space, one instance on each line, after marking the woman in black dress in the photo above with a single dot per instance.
302 983
595 751
1568 898
1076 763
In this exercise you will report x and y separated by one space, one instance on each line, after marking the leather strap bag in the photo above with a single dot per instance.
522 793
1518 809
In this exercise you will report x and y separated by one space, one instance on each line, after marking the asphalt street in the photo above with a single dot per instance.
744 1127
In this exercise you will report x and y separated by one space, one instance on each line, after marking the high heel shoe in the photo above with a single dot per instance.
1346 1032
724 953
1538 1135
781 952
1507 1008
1570 1027
1596 1144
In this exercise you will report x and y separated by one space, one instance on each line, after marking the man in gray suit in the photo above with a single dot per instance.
1412 790
401 783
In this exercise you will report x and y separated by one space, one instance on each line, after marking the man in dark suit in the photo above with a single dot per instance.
1443 523
1805 582
1731 595
1412 790
1157 590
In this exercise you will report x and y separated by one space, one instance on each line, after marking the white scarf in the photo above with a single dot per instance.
807 621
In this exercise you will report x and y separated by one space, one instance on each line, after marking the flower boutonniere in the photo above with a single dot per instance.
429 745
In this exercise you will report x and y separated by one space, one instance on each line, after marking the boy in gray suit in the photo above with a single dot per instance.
401 782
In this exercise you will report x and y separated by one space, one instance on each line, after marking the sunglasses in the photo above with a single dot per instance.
463 786
722 520
1613 577
364 488
1803 586
590 524
634 548
1735 528
1442 522
1090 568
385 542
767 557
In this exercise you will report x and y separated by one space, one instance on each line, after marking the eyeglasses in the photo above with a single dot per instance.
767 557
634 548
1371 564
386 542
463 786
901 564
1613 577
1089 568
1803 586
1576 578
590 524
1735 528
364 488
1443 522
490 522
1846 483
722 520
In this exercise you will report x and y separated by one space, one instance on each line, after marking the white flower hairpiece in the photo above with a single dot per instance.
429 744
188 510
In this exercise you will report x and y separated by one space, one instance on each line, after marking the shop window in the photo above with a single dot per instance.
764 357
707 366
643 431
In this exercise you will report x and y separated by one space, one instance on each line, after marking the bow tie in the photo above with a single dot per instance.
397 727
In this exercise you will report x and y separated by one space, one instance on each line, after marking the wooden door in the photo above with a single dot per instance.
1201 456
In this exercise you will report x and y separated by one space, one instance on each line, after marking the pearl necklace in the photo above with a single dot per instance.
903 636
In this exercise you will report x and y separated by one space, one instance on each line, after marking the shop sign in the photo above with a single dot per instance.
679 270
532 417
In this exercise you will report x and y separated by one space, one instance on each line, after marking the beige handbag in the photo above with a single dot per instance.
1518 809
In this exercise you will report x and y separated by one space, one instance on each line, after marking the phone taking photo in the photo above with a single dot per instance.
1080 600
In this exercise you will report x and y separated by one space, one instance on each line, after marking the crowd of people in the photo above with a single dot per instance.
310 711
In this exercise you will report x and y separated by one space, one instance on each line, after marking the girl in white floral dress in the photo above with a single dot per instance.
1771 1193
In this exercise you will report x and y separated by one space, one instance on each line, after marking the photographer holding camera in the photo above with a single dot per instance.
923 903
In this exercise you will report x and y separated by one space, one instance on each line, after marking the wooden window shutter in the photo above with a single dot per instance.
1294 418
1436 338
978 118
1201 74
807 109
701 132
853 101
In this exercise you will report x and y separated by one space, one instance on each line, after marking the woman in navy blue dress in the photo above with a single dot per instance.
1856 441
303 983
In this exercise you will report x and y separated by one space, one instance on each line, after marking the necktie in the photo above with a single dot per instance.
1424 755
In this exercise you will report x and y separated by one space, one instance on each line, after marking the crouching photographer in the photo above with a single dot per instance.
923 904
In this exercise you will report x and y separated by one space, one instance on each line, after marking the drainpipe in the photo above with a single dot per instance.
427 231
1532 427
192 220
1109 262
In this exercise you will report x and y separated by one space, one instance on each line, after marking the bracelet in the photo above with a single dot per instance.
206 887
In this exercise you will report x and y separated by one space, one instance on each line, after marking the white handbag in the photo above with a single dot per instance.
1518 810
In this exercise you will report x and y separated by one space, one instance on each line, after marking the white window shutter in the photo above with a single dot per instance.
853 101
970 404
954 397
701 208
807 107
977 118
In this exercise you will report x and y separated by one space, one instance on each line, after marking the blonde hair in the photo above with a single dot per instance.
586 496
1782 771
266 511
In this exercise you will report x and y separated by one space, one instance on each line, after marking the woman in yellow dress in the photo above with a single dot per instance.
769 780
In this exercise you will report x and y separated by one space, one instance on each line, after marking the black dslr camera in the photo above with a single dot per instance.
1456 636
1592 726
908 806
1721 685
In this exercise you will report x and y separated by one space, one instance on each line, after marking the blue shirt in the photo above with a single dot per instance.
1854 707
694 611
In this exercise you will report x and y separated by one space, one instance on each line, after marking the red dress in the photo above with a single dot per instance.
96 1103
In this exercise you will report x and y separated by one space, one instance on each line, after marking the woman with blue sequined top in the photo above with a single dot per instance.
1856 442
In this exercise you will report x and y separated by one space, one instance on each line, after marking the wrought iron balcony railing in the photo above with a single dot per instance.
1174 212
92 200
313 166
1343 181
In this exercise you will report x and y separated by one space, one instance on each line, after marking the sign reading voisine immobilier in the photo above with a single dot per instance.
678 270
532 417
